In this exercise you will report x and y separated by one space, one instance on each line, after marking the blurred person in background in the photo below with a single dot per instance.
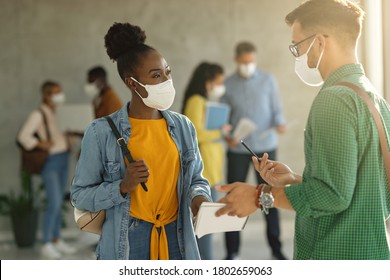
104 99
55 170
253 94
207 83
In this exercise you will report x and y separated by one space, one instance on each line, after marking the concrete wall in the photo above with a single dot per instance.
61 39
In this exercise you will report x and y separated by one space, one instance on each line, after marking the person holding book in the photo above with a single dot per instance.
253 96
152 222
207 83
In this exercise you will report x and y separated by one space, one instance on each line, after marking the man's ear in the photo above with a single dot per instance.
321 41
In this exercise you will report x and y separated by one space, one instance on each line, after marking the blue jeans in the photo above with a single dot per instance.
55 178
139 239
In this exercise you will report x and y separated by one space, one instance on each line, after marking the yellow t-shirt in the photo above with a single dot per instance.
151 142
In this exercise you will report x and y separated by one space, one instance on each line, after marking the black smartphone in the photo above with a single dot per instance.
249 149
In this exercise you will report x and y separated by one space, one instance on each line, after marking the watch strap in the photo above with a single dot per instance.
259 191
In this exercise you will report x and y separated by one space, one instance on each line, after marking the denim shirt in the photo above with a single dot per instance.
100 170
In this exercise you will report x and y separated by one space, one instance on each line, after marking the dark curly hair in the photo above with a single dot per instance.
125 44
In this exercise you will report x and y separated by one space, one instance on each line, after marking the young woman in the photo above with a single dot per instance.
207 84
55 170
153 224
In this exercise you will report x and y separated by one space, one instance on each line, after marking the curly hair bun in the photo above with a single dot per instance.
122 38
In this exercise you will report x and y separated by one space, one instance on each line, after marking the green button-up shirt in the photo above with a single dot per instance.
343 200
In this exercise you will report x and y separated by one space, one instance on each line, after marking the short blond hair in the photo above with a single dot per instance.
341 17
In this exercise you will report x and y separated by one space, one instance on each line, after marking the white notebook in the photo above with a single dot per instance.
206 221
244 128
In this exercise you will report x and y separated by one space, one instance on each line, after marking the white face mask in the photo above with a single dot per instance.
160 96
91 90
247 70
310 76
58 98
217 92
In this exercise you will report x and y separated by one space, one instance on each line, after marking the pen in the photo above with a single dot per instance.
249 149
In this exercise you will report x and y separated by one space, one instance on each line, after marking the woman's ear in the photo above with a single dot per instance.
130 83
209 86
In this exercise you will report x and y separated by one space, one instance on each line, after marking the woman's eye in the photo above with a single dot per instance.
157 75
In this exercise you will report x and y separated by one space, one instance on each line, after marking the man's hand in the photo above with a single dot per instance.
196 202
136 172
231 142
275 173
240 200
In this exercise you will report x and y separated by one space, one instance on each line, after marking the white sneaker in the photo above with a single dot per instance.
63 247
48 251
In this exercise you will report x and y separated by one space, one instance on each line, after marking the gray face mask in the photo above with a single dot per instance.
160 96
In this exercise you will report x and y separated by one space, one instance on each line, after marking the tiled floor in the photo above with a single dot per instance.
253 242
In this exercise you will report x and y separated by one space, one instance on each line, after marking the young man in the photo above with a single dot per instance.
342 200
253 94
104 99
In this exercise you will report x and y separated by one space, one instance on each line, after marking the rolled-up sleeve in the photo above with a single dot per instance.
30 127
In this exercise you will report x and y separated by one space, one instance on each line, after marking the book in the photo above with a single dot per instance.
217 114
206 222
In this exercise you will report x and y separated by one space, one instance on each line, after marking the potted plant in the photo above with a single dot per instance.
23 208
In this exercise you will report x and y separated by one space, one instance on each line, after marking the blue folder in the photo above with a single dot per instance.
217 114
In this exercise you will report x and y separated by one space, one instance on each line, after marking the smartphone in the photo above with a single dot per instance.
249 149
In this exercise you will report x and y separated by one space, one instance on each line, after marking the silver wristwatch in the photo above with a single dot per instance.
266 199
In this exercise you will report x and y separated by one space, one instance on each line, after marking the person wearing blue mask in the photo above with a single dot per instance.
148 202
342 200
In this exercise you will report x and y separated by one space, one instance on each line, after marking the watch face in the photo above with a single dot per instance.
267 200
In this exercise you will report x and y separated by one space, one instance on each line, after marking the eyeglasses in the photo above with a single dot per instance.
294 49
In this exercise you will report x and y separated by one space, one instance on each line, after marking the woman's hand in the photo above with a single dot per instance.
226 129
196 202
275 173
136 172
44 145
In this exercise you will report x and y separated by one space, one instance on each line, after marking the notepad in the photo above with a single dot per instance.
207 222
217 114
244 128
74 117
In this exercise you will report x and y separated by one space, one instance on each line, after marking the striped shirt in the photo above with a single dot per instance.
343 200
